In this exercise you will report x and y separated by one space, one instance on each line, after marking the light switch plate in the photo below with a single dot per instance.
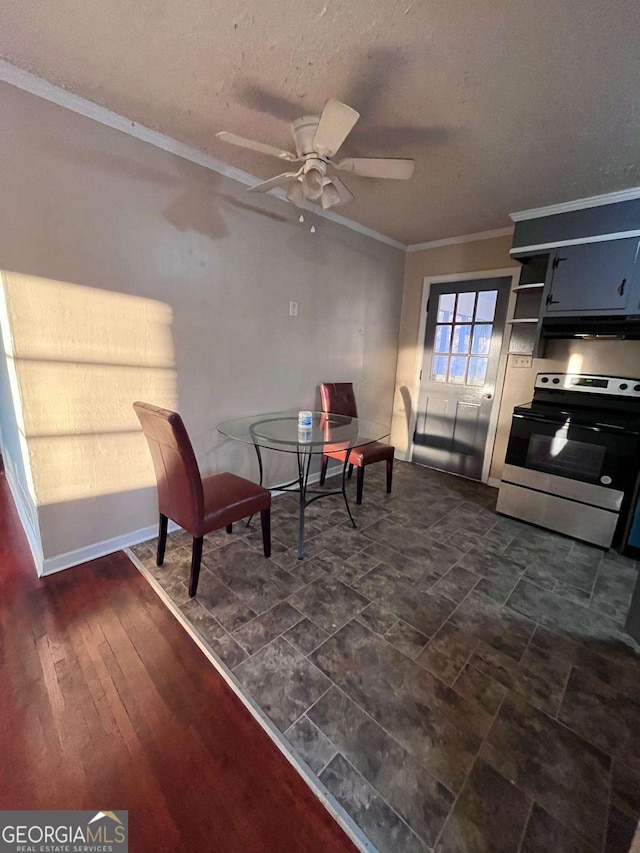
521 361
293 309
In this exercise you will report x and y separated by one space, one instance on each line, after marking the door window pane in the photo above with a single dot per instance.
464 308
461 338
481 339
477 371
443 339
445 307
457 369
439 364
486 308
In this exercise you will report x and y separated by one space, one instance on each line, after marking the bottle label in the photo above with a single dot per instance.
304 434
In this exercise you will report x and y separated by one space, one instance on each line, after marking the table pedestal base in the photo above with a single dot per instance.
301 485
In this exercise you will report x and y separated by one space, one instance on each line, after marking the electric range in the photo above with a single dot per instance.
573 456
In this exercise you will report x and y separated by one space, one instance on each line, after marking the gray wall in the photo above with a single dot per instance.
133 274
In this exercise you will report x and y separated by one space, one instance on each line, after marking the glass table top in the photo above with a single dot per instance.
280 431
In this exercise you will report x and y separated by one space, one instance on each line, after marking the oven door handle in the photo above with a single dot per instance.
556 422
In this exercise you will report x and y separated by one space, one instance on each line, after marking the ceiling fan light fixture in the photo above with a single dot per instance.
312 183
313 178
296 193
330 197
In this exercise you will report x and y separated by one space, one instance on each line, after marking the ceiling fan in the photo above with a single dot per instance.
317 140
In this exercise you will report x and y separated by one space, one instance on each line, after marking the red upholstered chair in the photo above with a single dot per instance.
338 398
198 505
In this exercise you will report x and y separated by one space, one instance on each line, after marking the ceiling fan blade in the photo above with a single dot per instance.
296 194
377 167
336 122
252 145
335 193
279 181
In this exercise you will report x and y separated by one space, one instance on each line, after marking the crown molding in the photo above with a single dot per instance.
578 204
518 251
463 238
62 97
348 223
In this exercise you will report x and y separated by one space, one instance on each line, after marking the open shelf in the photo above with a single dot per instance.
523 329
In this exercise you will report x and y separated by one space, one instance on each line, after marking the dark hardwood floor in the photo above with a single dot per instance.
106 703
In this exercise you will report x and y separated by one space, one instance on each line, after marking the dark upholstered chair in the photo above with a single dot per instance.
198 505
338 398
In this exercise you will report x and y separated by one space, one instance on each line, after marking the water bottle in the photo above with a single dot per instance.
305 430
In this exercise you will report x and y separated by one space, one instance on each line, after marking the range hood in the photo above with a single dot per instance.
591 327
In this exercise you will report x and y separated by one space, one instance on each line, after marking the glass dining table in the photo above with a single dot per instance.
328 432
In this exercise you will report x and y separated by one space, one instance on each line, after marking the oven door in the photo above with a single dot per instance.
590 463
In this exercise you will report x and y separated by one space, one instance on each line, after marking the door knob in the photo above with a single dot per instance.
488 396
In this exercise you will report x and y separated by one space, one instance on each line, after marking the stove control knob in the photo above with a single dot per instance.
623 386
556 381
546 379
636 387
606 480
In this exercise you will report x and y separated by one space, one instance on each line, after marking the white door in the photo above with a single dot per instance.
462 345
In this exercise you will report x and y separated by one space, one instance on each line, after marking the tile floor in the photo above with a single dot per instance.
459 681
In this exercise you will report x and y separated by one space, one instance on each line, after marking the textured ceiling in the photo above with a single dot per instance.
503 105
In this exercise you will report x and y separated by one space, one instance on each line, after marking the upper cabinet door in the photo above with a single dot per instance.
592 277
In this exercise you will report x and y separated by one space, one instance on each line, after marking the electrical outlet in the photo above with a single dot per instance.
521 361
293 309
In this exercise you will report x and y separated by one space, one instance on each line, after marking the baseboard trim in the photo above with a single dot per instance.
344 820
100 549
51 565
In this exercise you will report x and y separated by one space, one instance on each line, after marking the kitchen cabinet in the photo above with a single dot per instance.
593 278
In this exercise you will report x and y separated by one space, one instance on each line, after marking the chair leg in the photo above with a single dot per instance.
389 474
359 484
229 528
196 557
162 539
350 474
265 518
323 470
